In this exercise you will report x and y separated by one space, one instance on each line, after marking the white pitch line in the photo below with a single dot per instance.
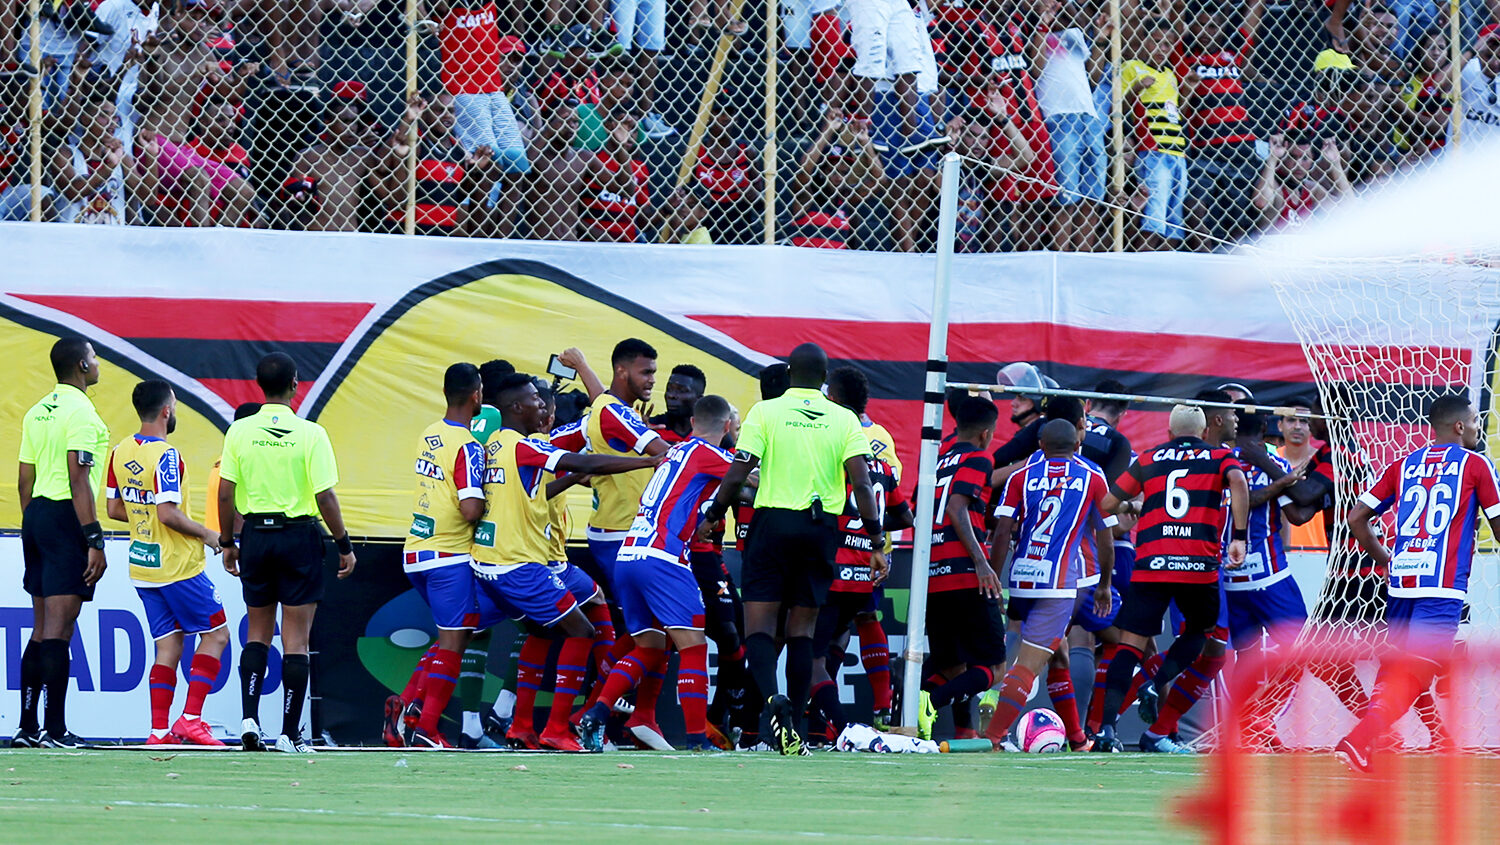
312 811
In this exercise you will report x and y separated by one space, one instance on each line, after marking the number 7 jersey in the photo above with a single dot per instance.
1438 493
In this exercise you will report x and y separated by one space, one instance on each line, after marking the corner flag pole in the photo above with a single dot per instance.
932 433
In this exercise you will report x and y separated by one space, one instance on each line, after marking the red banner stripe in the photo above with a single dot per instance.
225 319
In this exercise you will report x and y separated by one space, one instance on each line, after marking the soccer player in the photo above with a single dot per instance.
1178 541
512 547
447 502
965 624
658 594
145 487
855 594
62 438
1439 493
1048 507
684 388
278 472
1103 439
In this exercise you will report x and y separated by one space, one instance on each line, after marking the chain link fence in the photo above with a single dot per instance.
1096 125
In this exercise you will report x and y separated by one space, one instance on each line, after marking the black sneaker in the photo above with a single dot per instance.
1105 742
1148 703
26 739
67 739
784 728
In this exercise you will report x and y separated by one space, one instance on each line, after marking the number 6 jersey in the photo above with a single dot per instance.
1438 493
1177 538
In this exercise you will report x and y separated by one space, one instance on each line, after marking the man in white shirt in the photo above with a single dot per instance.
1481 92
134 23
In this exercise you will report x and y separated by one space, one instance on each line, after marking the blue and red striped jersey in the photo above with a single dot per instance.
1057 504
1438 493
1265 555
963 470
1178 536
674 499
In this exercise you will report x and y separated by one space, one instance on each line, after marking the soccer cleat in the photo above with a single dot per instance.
717 738
1084 746
1148 703
987 703
26 739
522 740
66 739
784 729
409 720
495 727
422 739
649 736
1106 742
882 720
250 737
394 707
591 730
167 738
562 742
195 732
701 743
1355 759
483 742
293 745
623 706
926 715
1163 745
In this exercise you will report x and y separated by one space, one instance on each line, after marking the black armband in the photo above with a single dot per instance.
1240 534
346 546
715 511
93 535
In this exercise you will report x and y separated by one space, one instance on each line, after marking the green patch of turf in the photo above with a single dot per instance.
110 796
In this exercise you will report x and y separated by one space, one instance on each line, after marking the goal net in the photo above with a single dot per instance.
1383 338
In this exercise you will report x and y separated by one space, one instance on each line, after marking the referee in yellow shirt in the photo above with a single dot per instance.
63 448
278 472
807 449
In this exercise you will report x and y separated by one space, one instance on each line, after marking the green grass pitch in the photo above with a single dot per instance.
141 796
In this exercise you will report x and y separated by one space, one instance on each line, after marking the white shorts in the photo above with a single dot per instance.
640 23
797 17
888 39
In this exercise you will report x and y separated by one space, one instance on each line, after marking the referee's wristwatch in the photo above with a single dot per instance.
226 541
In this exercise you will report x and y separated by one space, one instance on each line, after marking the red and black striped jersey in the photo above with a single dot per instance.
851 570
1178 536
963 470
1217 111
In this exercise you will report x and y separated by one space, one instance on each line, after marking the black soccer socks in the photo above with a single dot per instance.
54 662
294 673
252 678
31 686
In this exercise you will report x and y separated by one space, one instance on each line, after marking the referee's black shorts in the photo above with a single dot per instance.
1146 604
964 627
281 560
789 557
54 550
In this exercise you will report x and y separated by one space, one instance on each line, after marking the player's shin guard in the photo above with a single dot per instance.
252 678
972 681
1149 671
1185 692
825 700
1065 702
572 668
1121 669
202 673
799 667
1013 694
31 686
692 690
295 670
1101 682
56 661
163 681
413 690
875 654
529 665
442 677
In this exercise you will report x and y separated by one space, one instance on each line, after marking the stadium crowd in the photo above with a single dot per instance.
571 121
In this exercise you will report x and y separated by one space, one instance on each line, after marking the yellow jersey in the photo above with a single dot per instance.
449 468
557 510
1158 119
143 473
614 429
517 524
883 446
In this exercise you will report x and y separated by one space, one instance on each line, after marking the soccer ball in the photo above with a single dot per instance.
1039 732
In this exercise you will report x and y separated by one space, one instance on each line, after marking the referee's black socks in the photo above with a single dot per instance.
54 662
252 678
294 672
799 668
31 686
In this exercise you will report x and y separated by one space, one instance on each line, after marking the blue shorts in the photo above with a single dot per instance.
1083 612
1044 621
1423 627
886 127
576 580
450 594
191 606
605 552
1078 155
1164 178
656 595
529 590
1277 609
1124 567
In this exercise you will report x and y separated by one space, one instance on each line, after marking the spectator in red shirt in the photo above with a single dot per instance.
616 187
836 177
1294 182
217 138
573 81
729 177
471 73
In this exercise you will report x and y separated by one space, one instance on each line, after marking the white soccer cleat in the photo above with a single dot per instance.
293 745
250 737
650 737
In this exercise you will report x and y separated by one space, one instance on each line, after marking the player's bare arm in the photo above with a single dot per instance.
1363 533
729 490
958 516
608 464
171 516
333 517
228 517
1104 544
558 486
573 357
1276 488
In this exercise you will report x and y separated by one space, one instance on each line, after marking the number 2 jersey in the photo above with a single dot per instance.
962 470
1178 536
1058 502
1438 493
673 501
851 569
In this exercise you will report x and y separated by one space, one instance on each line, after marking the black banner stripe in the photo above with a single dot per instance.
235 359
